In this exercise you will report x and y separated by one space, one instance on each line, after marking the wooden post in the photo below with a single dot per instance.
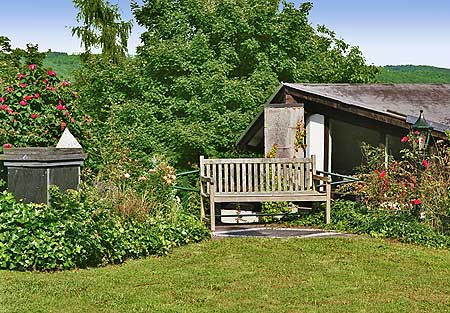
328 205
202 206
212 206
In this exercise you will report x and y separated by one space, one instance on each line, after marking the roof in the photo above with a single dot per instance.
403 99
401 102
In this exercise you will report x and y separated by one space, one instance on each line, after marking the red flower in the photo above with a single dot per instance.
60 107
72 120
67 113
65 83
417 201
7 145
416 132
32 67
23 103
425 163
20 76
36 95
23 85
63 125
28 98
3 107
34 115
51 73
405 139
2 99
45 81
382 174
10 89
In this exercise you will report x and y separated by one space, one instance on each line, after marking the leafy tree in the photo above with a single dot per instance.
11 59
206 67
103 27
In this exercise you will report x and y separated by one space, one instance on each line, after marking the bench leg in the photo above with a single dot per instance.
202 208
328 205
212 210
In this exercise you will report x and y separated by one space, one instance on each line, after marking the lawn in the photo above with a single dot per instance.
248 275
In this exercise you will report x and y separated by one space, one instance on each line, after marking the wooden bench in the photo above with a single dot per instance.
261 179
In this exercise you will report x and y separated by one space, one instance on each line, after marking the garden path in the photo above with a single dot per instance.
274 232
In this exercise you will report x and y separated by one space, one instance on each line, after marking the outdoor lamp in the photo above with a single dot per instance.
423 129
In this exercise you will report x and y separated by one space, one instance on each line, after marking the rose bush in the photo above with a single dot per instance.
35 108
418 183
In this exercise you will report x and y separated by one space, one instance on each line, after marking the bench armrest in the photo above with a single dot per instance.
322 178
207 180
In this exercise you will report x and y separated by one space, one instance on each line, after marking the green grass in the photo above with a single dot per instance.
248 275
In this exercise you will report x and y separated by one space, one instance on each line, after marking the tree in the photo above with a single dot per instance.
206 67
103 27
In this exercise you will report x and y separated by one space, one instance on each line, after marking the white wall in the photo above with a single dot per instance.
315 138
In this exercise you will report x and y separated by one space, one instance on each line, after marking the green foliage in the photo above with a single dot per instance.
35 107
11 59
355 217
78 230
205 69
418 183
64 64
275 207
102 26
413 74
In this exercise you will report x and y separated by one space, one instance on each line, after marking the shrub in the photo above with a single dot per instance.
357 218
418 183
77 230
35 107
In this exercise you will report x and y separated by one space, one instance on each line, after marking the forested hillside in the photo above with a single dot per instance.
413 74
64 64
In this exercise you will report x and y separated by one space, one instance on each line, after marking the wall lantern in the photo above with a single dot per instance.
423 129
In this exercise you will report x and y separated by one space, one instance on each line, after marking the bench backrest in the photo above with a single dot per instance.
259 175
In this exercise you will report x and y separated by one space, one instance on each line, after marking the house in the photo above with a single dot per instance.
339 117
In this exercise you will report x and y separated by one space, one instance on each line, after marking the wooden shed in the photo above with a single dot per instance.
338 117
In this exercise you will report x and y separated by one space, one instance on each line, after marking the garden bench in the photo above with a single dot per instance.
261 179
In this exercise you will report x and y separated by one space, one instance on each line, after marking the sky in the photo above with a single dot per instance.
388 32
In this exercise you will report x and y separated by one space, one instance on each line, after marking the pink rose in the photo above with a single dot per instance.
23 85
28 98
60 107
2 99
51 73
425 163
36 95
7 145
405 139
417 201
382 174
32 67
67 113
23 103
416 132
20 76
34 115
10 89
65 83
45 81
72 120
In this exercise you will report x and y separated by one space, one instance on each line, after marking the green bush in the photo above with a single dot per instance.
355 217
77 230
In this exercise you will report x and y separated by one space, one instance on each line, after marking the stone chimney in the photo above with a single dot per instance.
280 123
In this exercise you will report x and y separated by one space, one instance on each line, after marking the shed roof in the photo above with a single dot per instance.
398 101
405 99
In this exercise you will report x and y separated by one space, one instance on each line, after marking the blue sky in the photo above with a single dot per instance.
388 32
